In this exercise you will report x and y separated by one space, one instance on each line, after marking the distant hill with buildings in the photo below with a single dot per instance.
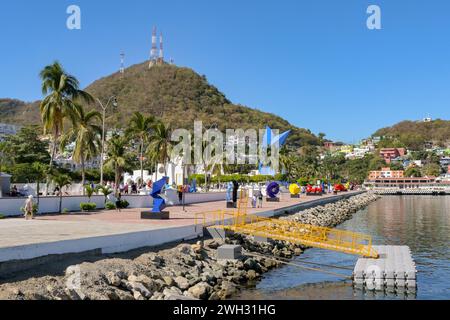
177 95
416 135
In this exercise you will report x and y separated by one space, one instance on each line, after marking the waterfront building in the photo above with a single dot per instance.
386 173
405 183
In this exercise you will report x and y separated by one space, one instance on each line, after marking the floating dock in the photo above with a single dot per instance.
393 270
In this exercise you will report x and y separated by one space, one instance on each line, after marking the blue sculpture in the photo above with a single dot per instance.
268 141
193 187
273 189
159 203
230 191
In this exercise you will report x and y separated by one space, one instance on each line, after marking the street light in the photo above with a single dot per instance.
112 100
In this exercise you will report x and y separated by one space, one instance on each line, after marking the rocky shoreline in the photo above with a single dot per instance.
184 272
333 214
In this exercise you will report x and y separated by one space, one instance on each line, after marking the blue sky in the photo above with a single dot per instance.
314 63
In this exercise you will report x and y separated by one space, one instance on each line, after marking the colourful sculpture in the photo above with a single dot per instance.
159 203
269 140
235 191
229 191
272 190
294 189
232 194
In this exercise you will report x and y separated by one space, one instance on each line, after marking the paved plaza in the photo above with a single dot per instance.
68 228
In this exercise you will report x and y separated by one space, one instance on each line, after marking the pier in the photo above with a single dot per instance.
413 191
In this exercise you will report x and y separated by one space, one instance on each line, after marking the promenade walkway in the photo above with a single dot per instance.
113 232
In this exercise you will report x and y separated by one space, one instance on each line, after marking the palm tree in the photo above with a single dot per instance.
39 173
89 191
289 163
105 191
86 133
160 145
116 156
61 90
139 129
61 181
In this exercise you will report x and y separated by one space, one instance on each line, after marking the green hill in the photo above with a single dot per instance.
177 95
415 134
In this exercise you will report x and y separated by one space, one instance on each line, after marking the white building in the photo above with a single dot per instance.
358 153
173 171
7 130
70 164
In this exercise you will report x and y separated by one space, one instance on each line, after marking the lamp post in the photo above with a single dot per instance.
184 186
113 99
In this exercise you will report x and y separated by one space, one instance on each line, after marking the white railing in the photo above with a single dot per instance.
11 206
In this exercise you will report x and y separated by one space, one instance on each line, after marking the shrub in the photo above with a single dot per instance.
110 206
281 177
2 216
88 206
66 210
124 204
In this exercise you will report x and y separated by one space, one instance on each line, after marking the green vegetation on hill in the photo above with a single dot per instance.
414 135
178 96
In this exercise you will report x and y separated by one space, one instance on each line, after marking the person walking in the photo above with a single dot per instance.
29 206
254 201
260 199
180 194
119 201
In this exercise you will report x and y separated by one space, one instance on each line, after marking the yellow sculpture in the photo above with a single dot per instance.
294 189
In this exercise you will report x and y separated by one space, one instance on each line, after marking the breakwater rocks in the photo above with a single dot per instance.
184 272
333 214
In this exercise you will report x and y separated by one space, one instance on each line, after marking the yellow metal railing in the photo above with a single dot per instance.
313 236
210 218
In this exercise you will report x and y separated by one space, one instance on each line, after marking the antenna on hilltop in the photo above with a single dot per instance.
122 63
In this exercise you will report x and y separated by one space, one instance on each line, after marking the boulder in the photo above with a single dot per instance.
227 290
214 245
251 275
182 282
137 287
252 264
172 291
198 247
169 281
201 291
114 278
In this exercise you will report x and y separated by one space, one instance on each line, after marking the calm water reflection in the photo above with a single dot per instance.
420 222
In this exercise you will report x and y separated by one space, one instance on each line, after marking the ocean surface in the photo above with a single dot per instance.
420 222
